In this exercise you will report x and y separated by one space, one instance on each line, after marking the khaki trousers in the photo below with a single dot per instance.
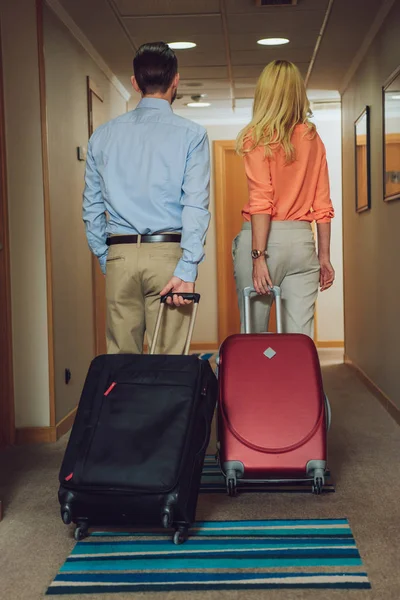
135 276
293 265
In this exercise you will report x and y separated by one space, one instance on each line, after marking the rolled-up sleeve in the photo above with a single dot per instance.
323 210
261 194
195 214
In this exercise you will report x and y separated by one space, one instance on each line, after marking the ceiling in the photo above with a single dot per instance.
227 60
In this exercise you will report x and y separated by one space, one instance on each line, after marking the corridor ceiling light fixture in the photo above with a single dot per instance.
198 104
396 97
273 41
181 45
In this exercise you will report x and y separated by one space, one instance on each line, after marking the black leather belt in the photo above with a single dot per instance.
133 239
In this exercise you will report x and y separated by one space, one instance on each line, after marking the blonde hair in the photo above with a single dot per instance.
280 103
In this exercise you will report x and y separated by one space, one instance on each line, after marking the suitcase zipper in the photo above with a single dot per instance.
112 386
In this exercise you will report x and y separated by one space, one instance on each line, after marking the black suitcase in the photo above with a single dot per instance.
137 446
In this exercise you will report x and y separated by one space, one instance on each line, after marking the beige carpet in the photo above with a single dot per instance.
364 459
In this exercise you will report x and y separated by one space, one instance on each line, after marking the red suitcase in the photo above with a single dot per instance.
273 414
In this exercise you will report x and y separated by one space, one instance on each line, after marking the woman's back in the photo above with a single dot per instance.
295 191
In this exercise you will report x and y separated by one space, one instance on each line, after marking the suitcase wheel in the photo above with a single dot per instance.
231 487
318 485
181 535
167 519
66 515
81 532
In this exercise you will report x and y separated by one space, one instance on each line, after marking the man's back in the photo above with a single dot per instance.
141 157
149 171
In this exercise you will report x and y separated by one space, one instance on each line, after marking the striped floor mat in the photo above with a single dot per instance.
254 555
213 482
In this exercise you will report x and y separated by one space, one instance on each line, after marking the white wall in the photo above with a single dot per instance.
67 66
330 303
26 213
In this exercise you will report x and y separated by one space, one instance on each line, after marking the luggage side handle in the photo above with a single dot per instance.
191 296
250 291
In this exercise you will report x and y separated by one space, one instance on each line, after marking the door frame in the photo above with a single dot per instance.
7 416
220 147
92 88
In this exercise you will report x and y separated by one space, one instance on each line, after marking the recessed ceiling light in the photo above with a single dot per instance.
396 97
198 104
181 45
273 41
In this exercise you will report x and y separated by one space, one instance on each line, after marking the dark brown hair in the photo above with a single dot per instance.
155 66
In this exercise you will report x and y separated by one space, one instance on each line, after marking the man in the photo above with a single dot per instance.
149 170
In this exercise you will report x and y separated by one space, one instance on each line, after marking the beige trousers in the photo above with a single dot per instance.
293 265
135 276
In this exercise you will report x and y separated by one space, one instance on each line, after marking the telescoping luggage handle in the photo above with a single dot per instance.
192 296
250 291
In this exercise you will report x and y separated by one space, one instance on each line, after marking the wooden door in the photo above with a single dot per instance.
7 425
96 114
231 195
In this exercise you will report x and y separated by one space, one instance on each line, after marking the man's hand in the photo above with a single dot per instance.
327 274
177 286
261 278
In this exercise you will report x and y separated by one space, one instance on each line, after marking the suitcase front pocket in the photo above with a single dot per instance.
138 441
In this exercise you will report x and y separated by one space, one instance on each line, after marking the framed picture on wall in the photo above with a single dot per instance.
391 137
362 161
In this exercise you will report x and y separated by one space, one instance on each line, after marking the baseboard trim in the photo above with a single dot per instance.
66 423
194 347
35 435
45 435
204 346
386 402
332 344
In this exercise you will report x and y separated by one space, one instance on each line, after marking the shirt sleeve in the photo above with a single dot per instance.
323 210
261 194
195 214
94 211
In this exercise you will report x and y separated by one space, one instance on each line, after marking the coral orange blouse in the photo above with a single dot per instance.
298 191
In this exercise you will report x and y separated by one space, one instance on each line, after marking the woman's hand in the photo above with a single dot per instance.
327 274
261 278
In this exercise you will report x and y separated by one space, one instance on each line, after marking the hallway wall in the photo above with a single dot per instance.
371 239
330 325
26 213
67 66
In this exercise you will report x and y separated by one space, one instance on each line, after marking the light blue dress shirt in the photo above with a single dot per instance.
150 170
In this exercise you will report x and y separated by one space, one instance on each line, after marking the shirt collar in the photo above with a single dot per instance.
155 103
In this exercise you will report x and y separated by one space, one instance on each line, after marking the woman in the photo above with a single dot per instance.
288 182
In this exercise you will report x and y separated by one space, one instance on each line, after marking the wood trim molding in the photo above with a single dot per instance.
93 87
66 423
43 435
7 416
330 344
46 201
195 347
78 34
219 150
35 435
387 403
